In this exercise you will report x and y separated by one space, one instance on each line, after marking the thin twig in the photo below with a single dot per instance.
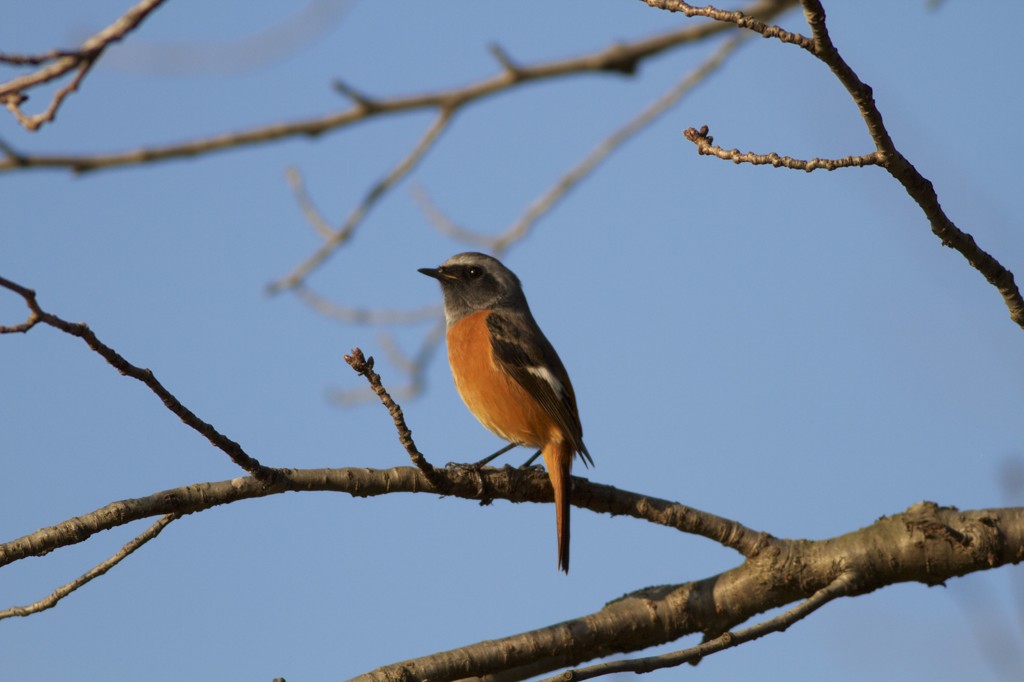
504 59
336 238
365 103
416 371
36 59
742 19
34 122
51 600
56 64
395 355
146 376
13 157
547 201
309 210
839 587
34 315
445 225
706 147
364 367
353 315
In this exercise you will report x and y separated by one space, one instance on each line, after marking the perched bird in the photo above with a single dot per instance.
508 373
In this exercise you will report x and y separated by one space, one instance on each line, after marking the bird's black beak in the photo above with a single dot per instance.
440 274
431 272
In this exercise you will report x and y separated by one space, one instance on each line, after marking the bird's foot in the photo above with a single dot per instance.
476 466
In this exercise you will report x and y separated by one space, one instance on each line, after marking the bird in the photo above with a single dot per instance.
508 373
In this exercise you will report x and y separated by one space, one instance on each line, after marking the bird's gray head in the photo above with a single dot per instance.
474 281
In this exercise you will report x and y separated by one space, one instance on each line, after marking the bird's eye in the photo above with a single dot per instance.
474 272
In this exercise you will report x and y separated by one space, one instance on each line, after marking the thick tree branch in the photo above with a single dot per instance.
840 587
927 544
146 376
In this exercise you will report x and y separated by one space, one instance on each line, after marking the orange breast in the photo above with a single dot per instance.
495 398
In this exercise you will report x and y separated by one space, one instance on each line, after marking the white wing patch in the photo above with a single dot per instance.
545 374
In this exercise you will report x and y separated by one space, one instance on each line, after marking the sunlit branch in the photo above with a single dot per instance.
59 63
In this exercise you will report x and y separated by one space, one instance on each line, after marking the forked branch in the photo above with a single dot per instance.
840 587
886 154
927 544
53 598
58 63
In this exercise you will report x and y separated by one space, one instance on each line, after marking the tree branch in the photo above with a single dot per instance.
621 58
543 205
414 367
886 155
379 189
146 376
917 186
64 590
706 147
547 201
364 367
376 316
514 485
309 211
742 19
56 64
840 587
927 544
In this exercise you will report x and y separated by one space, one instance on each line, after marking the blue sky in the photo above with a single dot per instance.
794 351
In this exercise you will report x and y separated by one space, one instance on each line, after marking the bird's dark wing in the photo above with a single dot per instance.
524 353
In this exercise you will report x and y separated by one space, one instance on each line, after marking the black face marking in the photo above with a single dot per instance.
462 273
469 287
474 281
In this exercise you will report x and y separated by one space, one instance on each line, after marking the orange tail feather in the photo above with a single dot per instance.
558 460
